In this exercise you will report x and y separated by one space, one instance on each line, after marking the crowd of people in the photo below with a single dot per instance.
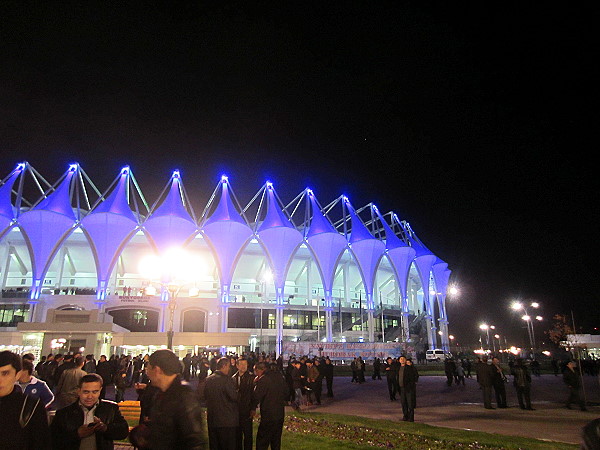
69 392
492 377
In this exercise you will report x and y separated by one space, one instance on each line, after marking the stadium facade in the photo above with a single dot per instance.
117 275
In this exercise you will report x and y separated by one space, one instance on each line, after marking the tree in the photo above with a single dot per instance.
560 329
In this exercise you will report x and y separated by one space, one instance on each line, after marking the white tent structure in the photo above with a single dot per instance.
289 273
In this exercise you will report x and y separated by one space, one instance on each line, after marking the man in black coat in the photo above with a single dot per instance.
89 422
407 381
104 370
23 420
522 383
498 381
572 379
485 377
270 393
244 381
327 371
391 373
222 411
176 416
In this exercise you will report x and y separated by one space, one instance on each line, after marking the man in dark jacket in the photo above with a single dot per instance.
176 416
67 363
391 373
103 368
222 410
407 381
327 371
23 420
88 422
270 393
244 381
522 383
485 377
572 379
498 381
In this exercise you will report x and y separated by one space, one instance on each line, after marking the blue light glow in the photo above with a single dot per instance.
176 174
224 178
125 170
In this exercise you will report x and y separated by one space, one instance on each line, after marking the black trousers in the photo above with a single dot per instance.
524 396
244 434
269 434
500 391
329 381
487 396
222 438
392 387
575 397
407 398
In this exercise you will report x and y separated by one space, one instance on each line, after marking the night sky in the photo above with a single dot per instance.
471 122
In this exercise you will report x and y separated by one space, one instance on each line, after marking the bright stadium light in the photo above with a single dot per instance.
516 306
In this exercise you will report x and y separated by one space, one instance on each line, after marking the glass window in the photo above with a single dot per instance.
11 315
136 319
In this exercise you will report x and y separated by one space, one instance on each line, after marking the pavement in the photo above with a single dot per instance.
461 407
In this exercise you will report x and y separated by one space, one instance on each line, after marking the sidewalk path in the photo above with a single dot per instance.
462 407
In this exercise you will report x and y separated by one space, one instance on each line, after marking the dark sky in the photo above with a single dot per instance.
472 122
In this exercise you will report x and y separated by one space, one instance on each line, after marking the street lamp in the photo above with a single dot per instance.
171 270
485 327
518 306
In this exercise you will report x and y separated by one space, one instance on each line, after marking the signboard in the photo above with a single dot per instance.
134 299
342 350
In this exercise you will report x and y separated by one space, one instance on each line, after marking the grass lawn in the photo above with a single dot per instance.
333 431
339 432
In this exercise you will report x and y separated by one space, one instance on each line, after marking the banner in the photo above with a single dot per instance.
342 350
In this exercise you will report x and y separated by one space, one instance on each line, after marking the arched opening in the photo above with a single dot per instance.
136 319
70 307
193 321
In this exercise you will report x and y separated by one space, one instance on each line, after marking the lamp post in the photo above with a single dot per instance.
485 327
171 270
518 306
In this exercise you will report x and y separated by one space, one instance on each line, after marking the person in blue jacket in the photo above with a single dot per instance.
34 387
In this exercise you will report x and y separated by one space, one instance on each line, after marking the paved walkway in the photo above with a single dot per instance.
462 407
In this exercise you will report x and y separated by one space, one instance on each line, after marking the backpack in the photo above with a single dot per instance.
27 410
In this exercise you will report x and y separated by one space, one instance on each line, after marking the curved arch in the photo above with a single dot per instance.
392 273
215 254
70 307
270 258
136 321
193 329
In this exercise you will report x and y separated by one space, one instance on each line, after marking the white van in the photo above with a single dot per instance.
435 355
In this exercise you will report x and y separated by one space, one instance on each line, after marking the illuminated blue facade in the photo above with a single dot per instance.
364 277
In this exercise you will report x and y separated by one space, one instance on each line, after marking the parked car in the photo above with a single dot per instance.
436 355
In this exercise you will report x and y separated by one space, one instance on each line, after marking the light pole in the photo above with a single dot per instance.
171 270
485 327
518 306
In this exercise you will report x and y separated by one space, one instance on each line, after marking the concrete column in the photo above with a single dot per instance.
445 339
279 307
405 327
430 337
224 307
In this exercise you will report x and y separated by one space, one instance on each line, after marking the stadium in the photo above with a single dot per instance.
107 272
